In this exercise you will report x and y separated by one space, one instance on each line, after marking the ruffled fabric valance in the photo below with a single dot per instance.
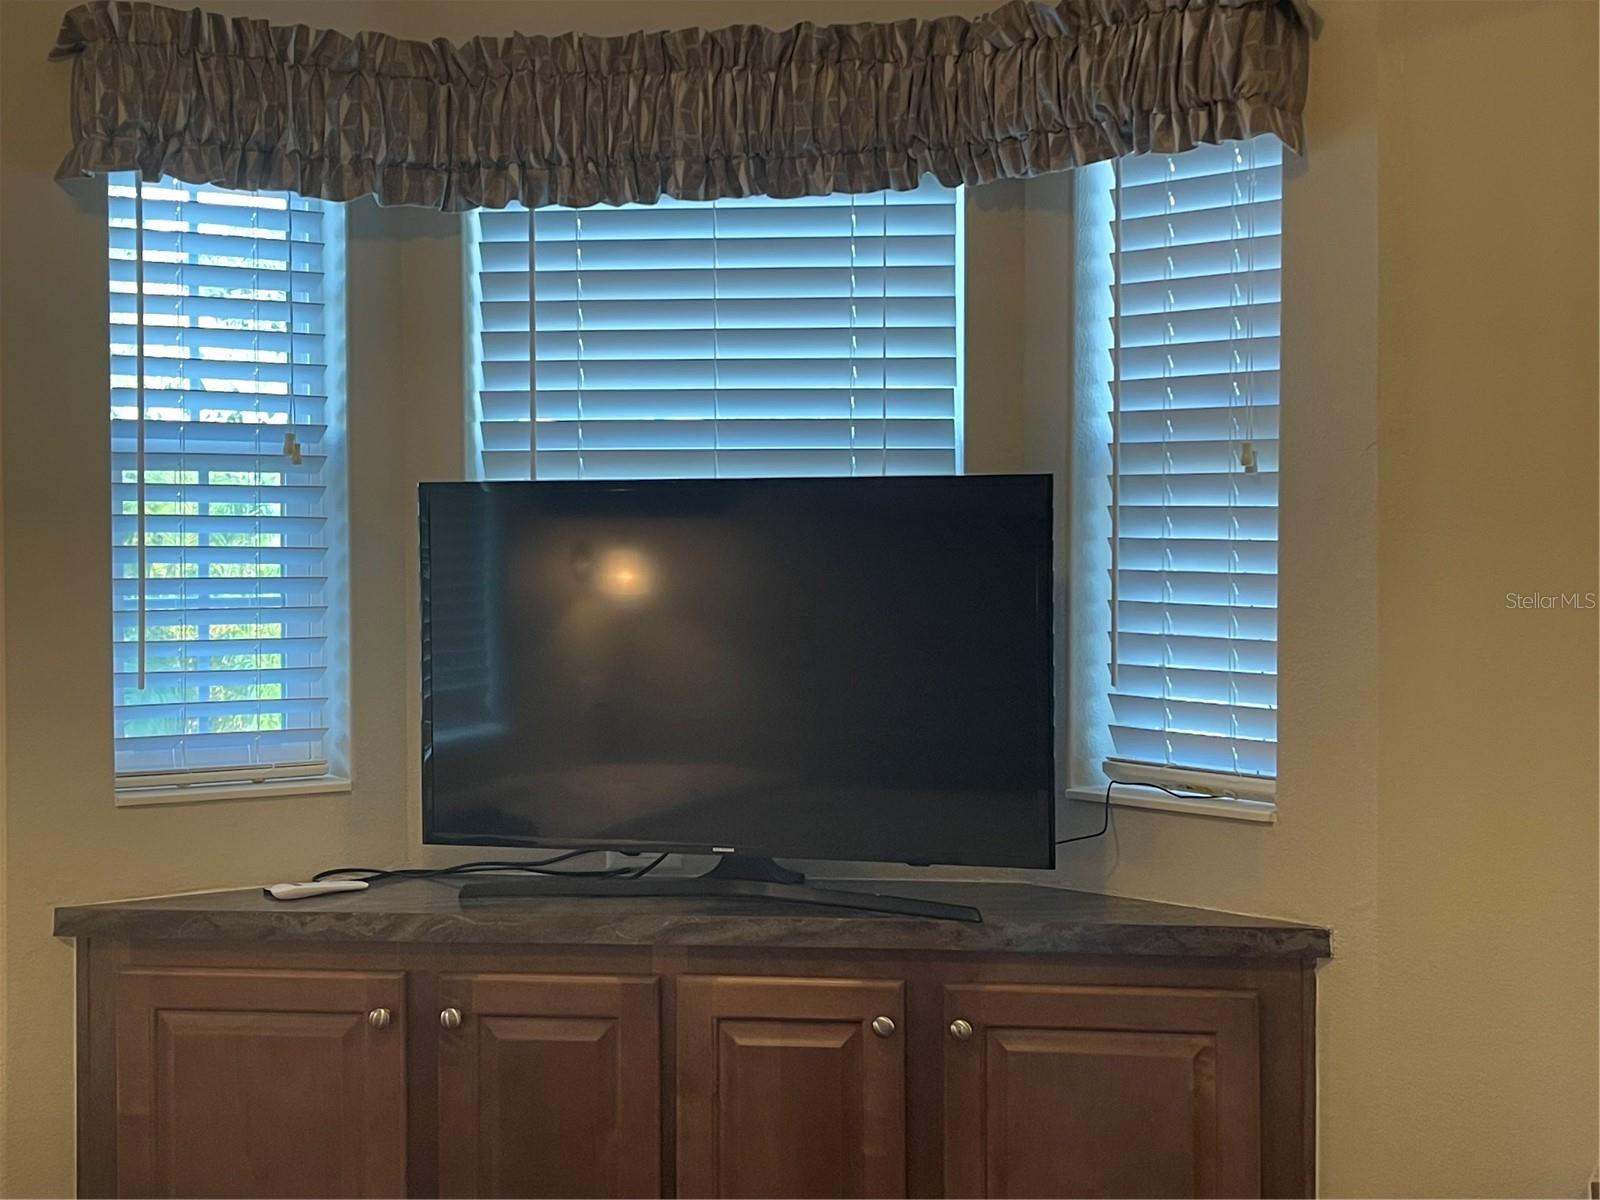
695 114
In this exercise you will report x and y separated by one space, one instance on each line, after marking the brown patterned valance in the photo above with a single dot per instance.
696 114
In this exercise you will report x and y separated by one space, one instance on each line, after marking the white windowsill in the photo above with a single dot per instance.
196 793
1231 808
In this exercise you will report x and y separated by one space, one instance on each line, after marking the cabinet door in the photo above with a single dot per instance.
549 1086
260 1083
787 1088
1101 1091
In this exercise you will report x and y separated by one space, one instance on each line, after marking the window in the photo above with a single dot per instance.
227 496
818 336
1180 279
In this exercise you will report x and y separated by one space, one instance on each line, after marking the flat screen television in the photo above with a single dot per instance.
855 669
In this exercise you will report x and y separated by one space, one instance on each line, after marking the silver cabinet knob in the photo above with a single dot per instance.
883 1026
450 1018
960 1030
379 1018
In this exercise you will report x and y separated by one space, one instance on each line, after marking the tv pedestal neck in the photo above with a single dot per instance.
743 876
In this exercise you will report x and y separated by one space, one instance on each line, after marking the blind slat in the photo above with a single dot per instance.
729 464
708 345
1190 683
222 655
769 434
201 681
727 404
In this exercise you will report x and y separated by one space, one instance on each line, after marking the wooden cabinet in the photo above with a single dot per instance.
1101 1091
349 1069
260 1083
791 1087
549 1085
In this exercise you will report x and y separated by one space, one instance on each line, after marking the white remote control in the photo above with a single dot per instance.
302 891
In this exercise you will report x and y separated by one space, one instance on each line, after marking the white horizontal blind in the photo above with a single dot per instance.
224 674
815 336
1196 275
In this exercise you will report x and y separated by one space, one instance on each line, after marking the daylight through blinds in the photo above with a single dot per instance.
233 677
1194 412
816 336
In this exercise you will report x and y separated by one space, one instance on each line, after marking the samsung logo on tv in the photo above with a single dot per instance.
723 850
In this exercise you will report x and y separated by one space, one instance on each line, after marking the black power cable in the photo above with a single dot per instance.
643 871
1105 817
375 875
1105 823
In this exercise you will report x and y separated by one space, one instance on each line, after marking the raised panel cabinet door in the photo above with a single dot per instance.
1101 1091
260 1083
791 1087
549 1085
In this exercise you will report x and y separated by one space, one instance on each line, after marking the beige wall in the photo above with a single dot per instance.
1438 751
1486 751
4 1072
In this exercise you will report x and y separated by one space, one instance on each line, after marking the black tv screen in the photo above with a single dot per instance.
807 668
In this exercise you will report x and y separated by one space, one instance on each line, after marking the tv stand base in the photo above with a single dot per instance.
756 868
744 877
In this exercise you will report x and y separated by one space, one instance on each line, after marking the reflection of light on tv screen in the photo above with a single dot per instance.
624 574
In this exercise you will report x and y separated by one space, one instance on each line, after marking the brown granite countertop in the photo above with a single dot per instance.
1017 918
